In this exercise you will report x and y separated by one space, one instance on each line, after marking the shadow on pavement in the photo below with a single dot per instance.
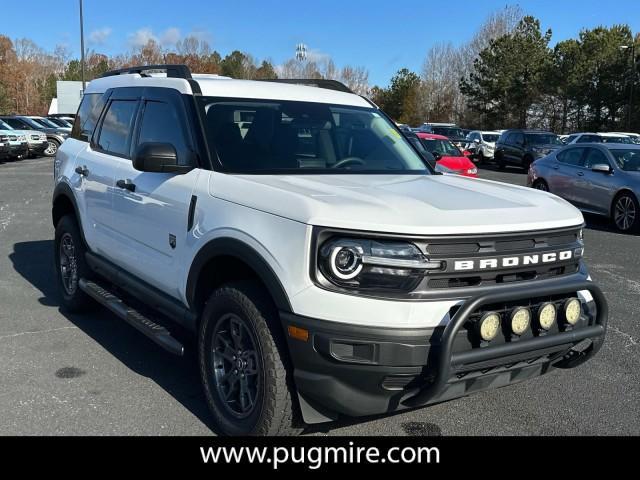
178 376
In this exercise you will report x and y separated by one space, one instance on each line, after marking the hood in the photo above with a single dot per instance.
404 204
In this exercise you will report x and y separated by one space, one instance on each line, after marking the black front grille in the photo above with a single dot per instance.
453 250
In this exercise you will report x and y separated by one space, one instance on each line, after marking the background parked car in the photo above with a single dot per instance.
598 138
61 122
482 144
522 147
634 137
25 143
449 158
600 178
54 136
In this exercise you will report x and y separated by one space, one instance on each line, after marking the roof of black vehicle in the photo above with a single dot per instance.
524 130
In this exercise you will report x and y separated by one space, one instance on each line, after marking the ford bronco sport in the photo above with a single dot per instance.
325 269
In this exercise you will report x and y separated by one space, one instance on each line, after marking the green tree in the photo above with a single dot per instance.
234 65
266 71
400 99
508 76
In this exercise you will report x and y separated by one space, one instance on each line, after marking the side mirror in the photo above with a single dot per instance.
159 158
602 168
436 155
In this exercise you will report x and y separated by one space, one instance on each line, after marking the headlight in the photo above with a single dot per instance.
572 310
520 320
363 264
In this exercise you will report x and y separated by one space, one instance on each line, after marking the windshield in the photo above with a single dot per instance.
489 137
444 148
451 132
543 139
48 123
278 136
628 160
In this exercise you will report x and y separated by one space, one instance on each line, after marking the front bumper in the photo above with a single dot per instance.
5 150
355 371
18 150
38 148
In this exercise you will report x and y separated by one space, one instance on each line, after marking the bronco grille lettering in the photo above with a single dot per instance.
514 261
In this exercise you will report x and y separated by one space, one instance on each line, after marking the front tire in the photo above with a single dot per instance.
71 265
626 213
541 185
244 364
52 148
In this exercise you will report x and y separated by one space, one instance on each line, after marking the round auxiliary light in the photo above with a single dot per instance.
346 262
520 320
489 326
572 310
547 316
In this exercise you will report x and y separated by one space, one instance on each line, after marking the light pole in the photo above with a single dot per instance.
632 79
82 47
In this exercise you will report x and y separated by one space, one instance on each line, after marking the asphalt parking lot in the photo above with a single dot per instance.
94 375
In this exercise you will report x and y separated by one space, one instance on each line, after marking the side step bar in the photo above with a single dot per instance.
157 333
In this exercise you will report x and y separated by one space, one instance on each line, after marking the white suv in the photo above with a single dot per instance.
482 144
324 267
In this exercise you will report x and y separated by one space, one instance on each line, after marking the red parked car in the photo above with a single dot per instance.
448 157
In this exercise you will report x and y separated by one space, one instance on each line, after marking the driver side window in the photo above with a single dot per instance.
160 123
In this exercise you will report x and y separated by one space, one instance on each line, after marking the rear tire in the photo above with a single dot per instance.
625 212
71 265
244 364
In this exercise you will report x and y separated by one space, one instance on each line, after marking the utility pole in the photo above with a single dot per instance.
82 47
632 79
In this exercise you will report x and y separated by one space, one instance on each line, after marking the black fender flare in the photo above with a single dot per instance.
226 246
64 190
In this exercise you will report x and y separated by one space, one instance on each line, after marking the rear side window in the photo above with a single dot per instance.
572 156
160 123
115 133
87 117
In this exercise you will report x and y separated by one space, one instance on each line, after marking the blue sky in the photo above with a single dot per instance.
381 35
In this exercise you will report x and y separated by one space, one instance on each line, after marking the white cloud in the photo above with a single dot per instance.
99 36
141 37
201 34
170 36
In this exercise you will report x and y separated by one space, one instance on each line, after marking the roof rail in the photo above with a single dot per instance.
313 82
173 71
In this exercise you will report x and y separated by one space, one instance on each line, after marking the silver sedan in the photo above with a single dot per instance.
597 178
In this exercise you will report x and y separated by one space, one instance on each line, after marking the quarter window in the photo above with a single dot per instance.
87 117
115 134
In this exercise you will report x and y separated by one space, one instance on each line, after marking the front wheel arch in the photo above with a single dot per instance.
613 206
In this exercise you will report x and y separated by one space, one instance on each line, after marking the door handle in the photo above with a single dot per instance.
581 174
556 167
126 184
82 171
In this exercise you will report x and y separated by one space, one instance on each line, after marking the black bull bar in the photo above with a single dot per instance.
449 361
